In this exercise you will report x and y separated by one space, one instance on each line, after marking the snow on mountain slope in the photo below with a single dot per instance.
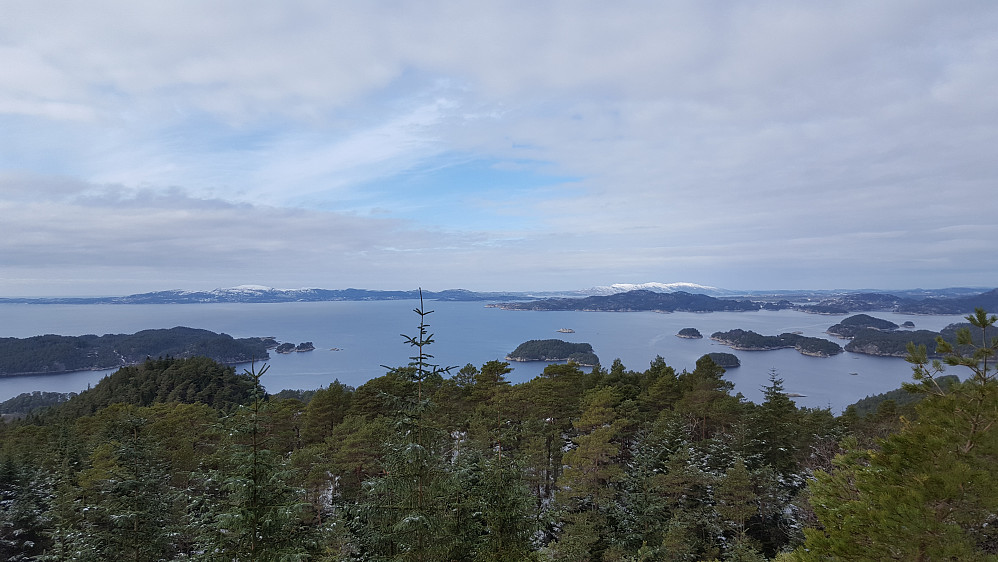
658 288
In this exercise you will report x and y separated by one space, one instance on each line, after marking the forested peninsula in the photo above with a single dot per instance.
175 458
51 354
747 340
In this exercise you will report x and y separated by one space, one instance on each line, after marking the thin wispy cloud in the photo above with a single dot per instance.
496 145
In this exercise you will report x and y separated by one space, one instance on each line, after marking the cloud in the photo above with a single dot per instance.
723 144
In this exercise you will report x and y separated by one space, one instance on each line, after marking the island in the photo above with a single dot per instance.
848 327
747 340
292 348
554 350
726 360
690 334
50 354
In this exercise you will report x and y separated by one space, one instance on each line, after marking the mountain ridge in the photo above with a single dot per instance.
956 300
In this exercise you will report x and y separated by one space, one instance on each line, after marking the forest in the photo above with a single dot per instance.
187 459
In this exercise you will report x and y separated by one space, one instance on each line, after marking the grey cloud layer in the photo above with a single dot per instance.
755 144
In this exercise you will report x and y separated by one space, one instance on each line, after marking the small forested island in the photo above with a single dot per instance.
848 327
747 340
291 348
555 350
726 360
690 334
59 354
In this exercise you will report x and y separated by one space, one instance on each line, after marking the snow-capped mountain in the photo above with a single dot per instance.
658 288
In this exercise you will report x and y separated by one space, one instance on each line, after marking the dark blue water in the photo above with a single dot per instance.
367 336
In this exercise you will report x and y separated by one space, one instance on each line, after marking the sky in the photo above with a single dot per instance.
518 146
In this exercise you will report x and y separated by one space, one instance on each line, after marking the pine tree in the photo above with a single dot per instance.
325 410
587 489
929 492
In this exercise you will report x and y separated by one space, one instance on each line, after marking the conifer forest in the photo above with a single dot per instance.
189 459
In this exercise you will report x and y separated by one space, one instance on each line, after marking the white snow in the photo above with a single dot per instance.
656 287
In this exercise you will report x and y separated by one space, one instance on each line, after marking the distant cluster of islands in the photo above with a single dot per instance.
868 335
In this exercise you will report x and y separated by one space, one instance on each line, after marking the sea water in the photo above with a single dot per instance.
356 341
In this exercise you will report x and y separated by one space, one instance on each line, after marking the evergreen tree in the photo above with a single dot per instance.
327 408
929 492
25 496
775 429
587 489
404 514
258 515
706 403
131 506
505 506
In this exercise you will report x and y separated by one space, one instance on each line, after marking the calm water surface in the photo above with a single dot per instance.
367 336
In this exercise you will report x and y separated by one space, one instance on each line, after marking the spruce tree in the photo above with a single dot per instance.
257 514
404 513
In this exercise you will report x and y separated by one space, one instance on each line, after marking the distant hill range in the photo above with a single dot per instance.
681 301
637 301
666 297
258 294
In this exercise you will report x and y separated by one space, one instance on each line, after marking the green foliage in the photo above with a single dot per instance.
326 409
900 397
184 459
197 379
28 402
404 510
25 496
259 514
929 491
